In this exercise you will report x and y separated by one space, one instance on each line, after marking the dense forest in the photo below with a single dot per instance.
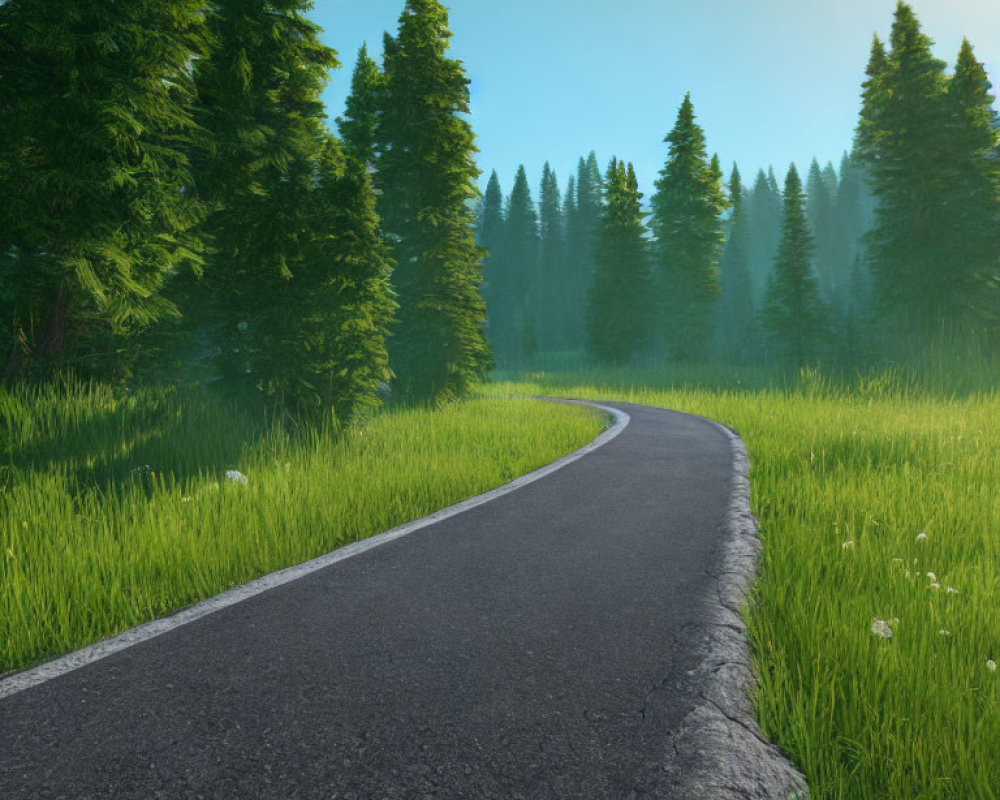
176 209
894 250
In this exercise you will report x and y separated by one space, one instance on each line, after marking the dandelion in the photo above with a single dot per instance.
943 632
922 536
236 476
991 665
951 590
848 545
881 628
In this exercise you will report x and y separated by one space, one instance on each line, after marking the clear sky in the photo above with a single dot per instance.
772 81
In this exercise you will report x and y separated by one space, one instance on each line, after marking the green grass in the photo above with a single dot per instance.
115 508
874 462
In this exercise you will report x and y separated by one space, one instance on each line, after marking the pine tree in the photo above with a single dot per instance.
868 134
521 246
426 171
260 104
793 314
821 189
98 210
570 313
296 295
549 309
686 220
357 126
971 202
581 231
490 229
764 210
618 318
736 310
333 351
903 134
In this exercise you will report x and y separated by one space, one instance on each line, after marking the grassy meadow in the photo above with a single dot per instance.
116 507
875 622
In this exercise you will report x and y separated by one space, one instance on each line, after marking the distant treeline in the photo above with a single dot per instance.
868 263
173 205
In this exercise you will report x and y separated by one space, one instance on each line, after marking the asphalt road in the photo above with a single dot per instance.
540 645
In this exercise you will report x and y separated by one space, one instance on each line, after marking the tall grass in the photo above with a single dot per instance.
115 506
846 477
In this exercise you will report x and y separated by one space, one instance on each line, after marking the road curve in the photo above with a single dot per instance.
574 638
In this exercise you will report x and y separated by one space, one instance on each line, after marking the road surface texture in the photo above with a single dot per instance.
575 638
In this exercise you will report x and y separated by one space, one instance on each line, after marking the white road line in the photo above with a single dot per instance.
62 665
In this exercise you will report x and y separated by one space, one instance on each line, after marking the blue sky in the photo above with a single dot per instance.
772 81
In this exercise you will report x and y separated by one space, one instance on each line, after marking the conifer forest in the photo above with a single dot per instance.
177 205
240 329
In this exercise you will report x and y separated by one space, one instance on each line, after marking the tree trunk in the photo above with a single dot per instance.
55 337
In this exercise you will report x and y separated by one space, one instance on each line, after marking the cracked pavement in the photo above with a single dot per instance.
576 638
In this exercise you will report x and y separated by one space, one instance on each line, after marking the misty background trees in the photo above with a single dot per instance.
893 251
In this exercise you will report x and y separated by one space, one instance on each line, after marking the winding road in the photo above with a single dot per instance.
558 641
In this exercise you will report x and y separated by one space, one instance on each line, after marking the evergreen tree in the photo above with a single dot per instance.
521 245
296 295
570 313
971 201
581 232
867 136
490 230
793 314
903 134
260 105
549 308
358 125
333 351
98 211
736 310
618 318
426 171
821 189
686 219
764 210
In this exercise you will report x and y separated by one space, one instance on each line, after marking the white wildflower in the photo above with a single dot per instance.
935 586
848 545
242 326
236 476
906 572
951 590
922 536
932 576
991 665
882 628
185 499
943 632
